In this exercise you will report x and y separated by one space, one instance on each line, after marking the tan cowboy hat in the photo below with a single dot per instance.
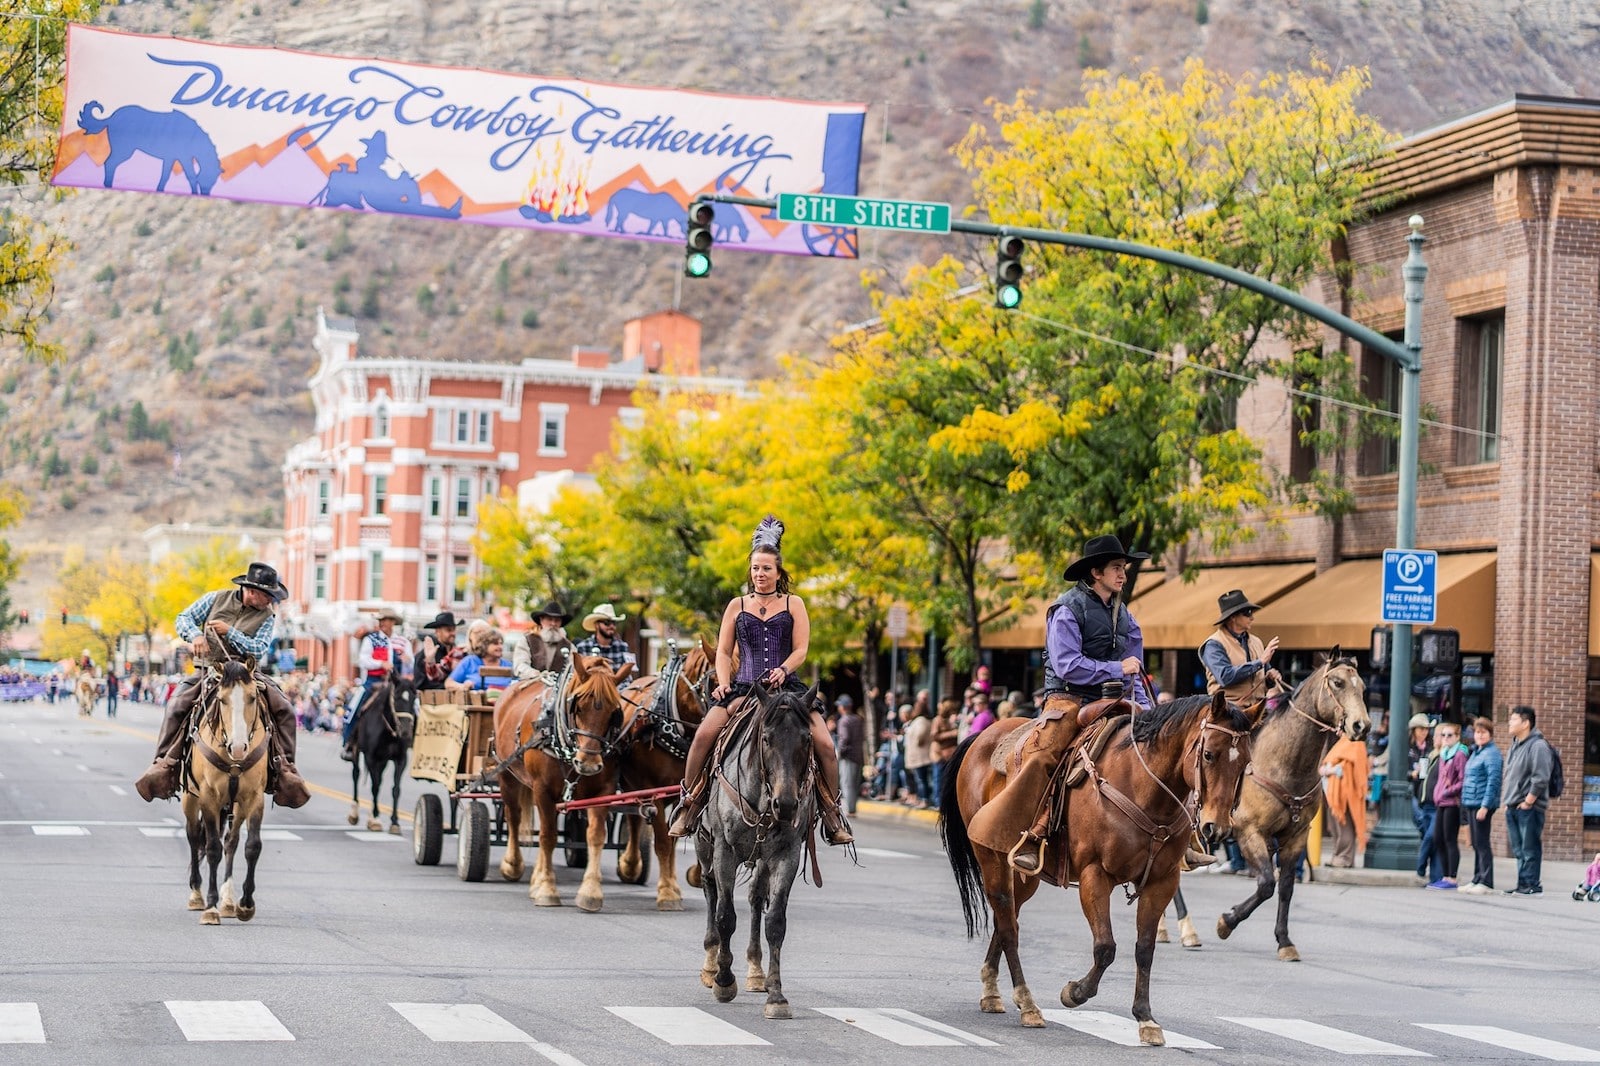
603 613
391 614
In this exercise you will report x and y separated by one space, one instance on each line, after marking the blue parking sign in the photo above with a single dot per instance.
1410 586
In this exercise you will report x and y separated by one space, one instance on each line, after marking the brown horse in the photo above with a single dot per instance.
226 789
1281 795
585 733
1170 771
656 743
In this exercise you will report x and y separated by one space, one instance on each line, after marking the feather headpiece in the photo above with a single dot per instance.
768 535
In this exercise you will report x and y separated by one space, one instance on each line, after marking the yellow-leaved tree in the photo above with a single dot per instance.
183 577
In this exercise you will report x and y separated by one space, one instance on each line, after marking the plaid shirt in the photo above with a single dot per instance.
616 653
193 619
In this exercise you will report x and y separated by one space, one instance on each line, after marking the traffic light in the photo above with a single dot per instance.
22 616
697 239
1008 272
63 617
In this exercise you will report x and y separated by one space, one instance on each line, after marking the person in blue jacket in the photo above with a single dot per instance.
1480 798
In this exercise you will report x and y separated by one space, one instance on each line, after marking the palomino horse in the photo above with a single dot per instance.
583 740
660 714
383 737
763 798
1280 796
1127 824
85 692
226 789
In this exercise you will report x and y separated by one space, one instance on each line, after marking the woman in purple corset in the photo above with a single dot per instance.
772 631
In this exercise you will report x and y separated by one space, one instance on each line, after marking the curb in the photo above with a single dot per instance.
1357 875
877 810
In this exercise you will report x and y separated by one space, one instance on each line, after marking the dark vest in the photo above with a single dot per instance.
1094 625
229 607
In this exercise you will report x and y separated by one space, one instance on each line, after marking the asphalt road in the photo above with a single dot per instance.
358 955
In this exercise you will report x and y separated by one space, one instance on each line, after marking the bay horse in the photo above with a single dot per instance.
659 719
225 788
584 732
1165 773
762 804
383 740
1284 787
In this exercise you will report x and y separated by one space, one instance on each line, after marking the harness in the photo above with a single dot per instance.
1295 805
661 723
207 708
747 721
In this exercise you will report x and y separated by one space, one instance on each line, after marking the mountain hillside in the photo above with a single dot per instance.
187 324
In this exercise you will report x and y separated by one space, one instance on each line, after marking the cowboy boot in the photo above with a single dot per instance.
1027 855
695 792
348 751
290 788
835 829
160 781
1194 858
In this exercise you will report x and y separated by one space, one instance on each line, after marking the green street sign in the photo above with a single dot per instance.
820 209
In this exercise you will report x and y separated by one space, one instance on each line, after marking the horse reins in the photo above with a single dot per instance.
1294 804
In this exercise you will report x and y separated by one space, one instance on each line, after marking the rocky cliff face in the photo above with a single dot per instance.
201 312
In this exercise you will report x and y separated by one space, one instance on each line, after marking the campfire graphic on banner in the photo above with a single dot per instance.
267 125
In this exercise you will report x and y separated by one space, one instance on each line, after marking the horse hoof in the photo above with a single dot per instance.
228 910
209 916
394 829
246 913
1223 929
1032 1019
509 872
669 904
1161 935
1151 1035
1192 940
196 902
548 900
777 1012
353 817
724 993
992 1005
692 875
1287 953
590 904
1071 996
373 825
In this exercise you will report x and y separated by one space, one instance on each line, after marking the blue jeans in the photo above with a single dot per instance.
1429 864
350 717
1525 834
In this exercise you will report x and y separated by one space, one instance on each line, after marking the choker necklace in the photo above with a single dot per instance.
761 608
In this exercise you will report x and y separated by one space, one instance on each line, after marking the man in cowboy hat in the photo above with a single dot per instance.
541 652
1090 639
601 624
382 654
1236 662
438 655
234 622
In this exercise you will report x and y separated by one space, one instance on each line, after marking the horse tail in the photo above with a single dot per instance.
90 119
963 860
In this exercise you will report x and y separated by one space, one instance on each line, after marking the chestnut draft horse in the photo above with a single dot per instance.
659 719
225 788
1169 771
1281 795
582 737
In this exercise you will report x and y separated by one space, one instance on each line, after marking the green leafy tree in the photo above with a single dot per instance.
12 508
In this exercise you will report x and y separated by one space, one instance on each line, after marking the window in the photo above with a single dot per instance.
319 579
380 494
1479 372
459 581
463 426
488 487
1305 416
552 429
380 421
1380 382
485 422
463 497
430 581
435 497
375 575
324 497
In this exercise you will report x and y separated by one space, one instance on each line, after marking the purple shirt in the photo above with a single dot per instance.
1063 643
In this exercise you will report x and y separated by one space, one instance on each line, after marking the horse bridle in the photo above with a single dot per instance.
1294 804
765 818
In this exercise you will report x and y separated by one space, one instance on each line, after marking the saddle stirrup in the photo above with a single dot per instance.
1019 861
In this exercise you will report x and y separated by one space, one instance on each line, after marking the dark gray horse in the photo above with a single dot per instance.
383 739
759 816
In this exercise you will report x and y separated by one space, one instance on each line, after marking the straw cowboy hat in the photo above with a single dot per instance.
603 613
1231 603
1097 553
264 578
391 614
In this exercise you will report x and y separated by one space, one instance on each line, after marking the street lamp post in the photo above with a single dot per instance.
1394 841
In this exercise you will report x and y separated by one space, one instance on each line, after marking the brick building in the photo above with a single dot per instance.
382 501
1508 485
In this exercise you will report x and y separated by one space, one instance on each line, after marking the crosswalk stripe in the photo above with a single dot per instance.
226 1019
885 853
929 1023
461 1023
20 1024
1325 1037
118 790
1117 1029
893 1029
354 834
686 1026
1514 1041
170 832
60 831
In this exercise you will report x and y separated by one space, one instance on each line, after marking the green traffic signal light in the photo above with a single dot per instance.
1007 297
1008 272
699 235
696 265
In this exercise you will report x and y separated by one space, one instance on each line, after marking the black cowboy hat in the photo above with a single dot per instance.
443 620
1097 553
265 578
1231 603
552 609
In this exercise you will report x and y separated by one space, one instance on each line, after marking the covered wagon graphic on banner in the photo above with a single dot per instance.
269 125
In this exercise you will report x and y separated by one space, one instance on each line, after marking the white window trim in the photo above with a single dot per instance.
558 413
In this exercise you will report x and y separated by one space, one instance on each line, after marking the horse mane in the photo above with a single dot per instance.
784 703
1164 719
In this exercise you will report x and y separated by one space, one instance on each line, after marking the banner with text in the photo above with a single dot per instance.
436 746
269 125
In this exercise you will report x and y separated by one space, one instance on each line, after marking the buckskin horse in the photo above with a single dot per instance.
1161 775
1283 789
225 787
762 805
85 691
661 712
584 732
383 737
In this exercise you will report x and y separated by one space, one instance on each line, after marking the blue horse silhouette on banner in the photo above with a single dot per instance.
170 137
